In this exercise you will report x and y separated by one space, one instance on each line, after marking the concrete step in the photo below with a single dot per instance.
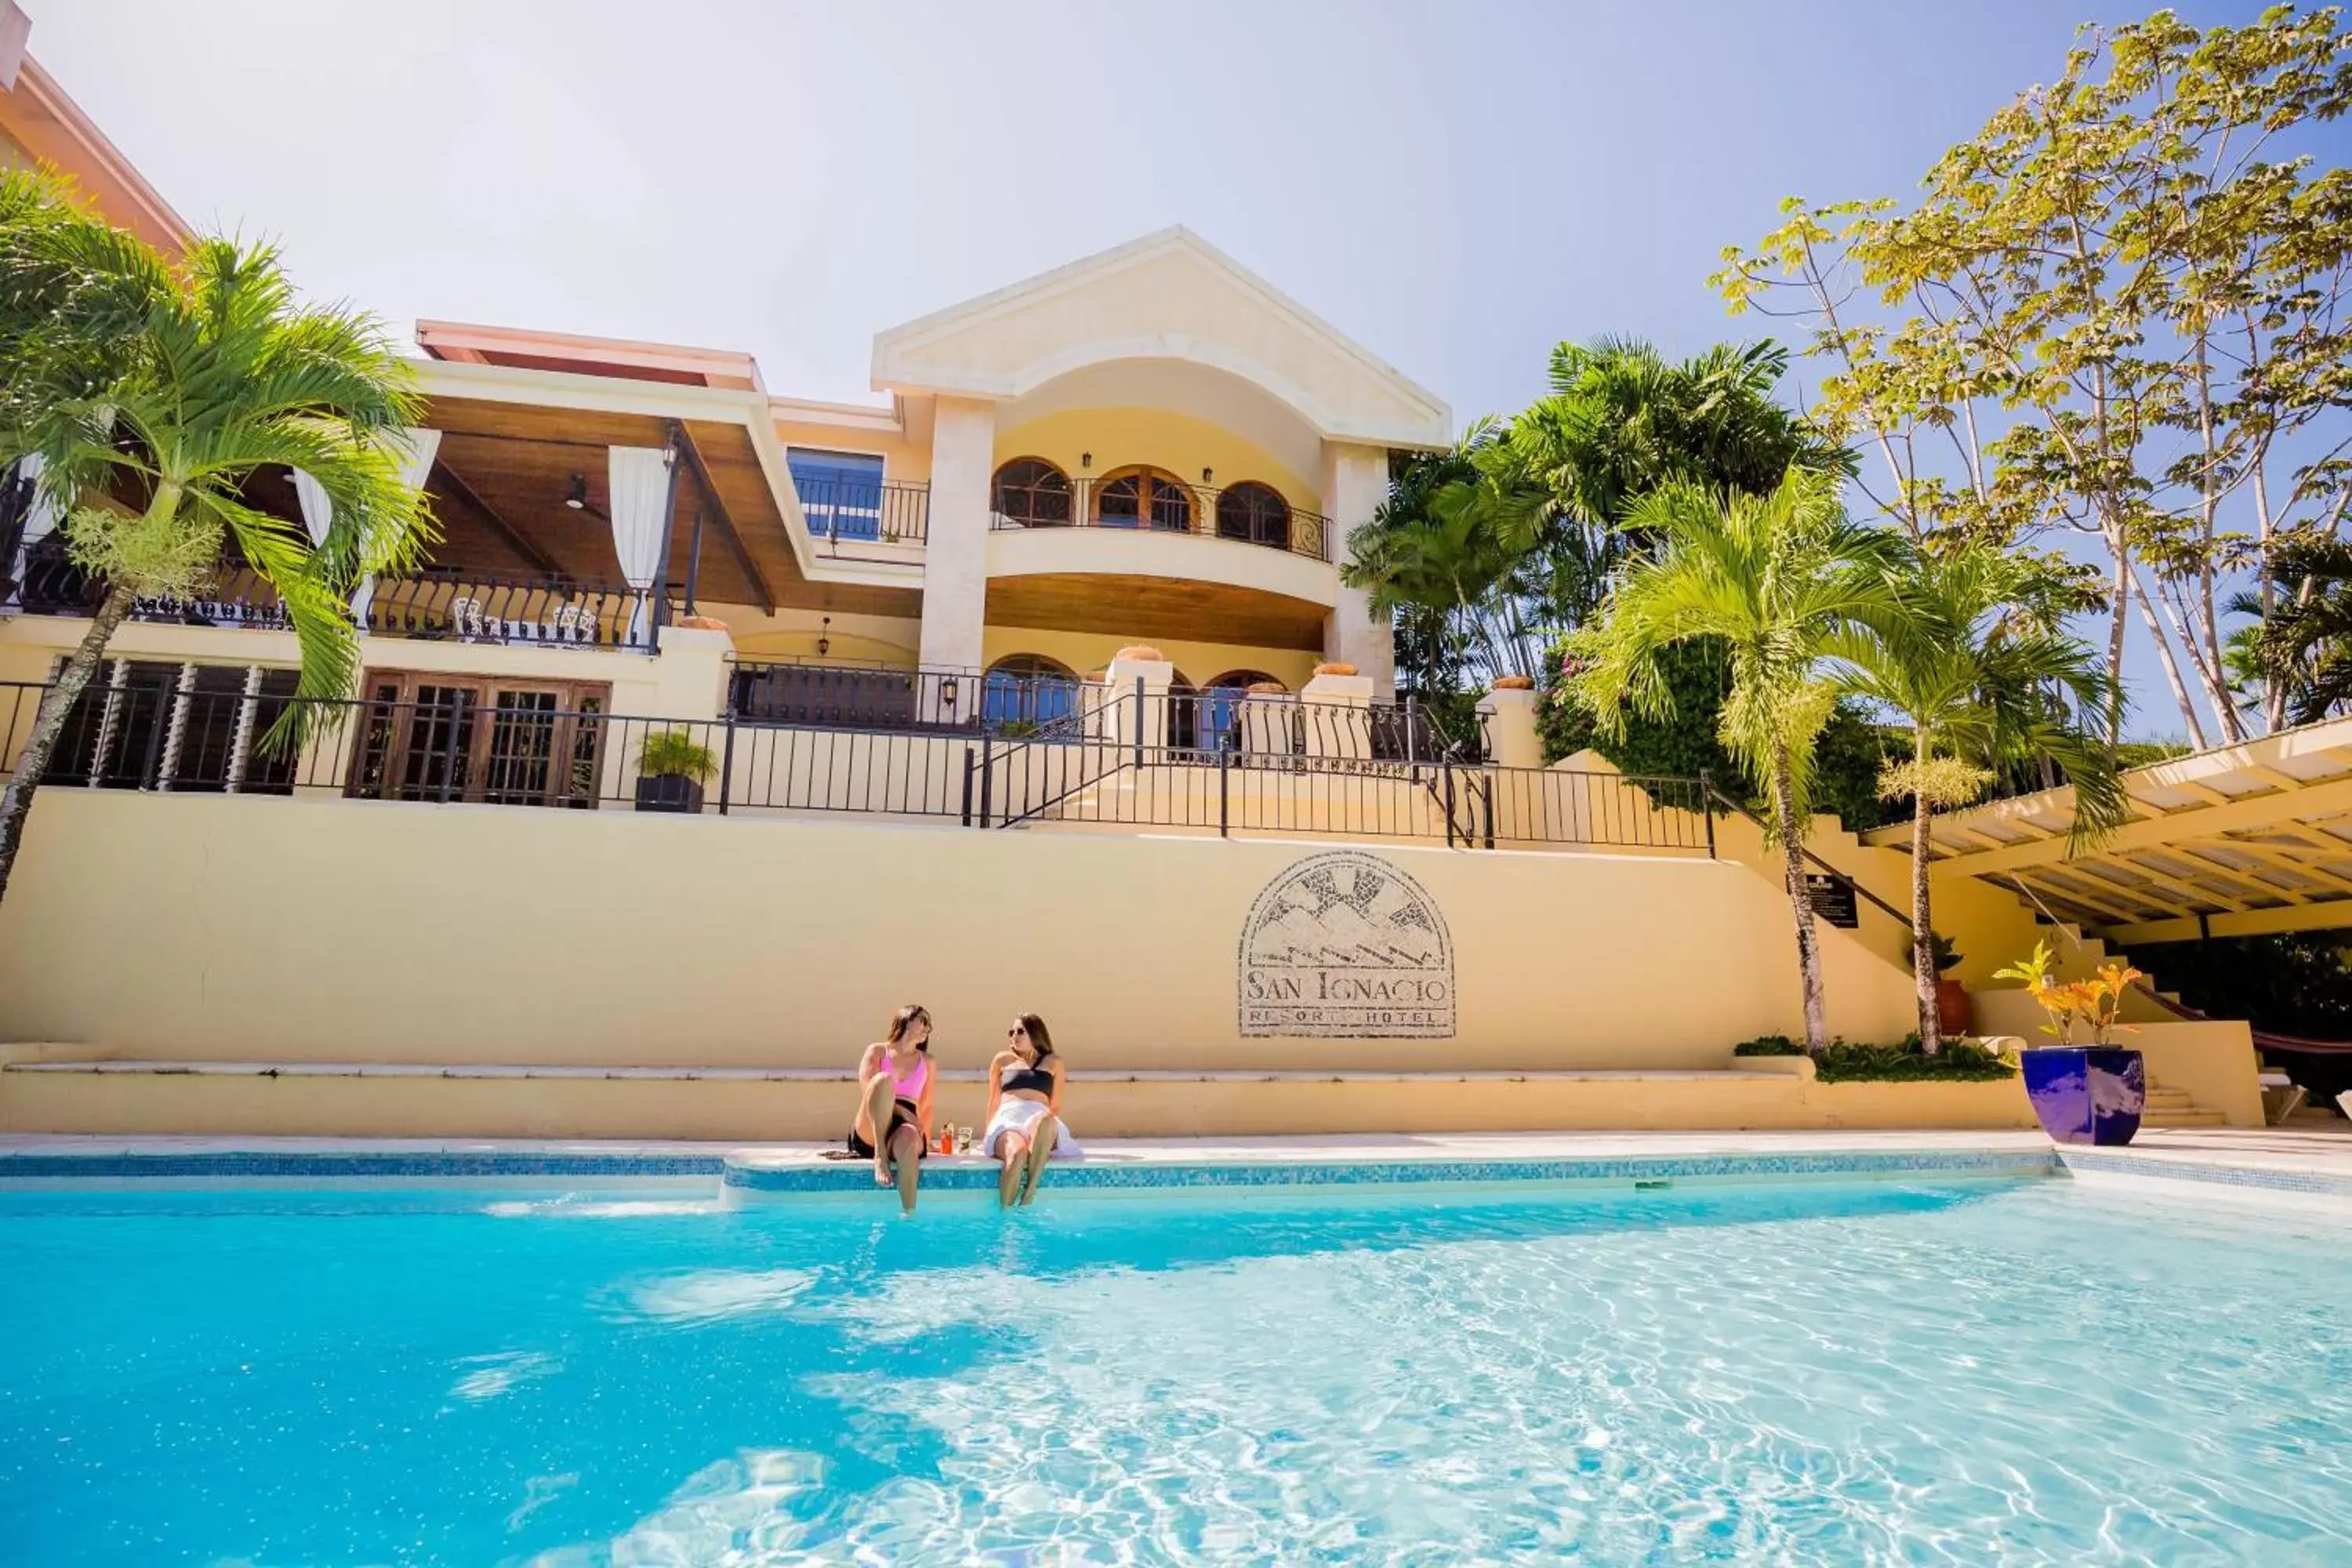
2195 1117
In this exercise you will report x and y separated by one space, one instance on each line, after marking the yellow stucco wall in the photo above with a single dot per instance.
491 933
1178 443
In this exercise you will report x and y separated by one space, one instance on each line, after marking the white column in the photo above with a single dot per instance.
1355 482
1513 740
955 563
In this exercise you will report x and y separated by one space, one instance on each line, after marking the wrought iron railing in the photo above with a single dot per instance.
843 514
437 604
452 605
185 729
1202 510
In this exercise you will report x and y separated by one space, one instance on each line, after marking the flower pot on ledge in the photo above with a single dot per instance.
1955 1014
670 792
2086 1094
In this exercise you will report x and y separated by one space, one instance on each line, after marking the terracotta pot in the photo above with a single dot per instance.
1268 688
1142 651
702 623
1514 683
1955 1014
1335 669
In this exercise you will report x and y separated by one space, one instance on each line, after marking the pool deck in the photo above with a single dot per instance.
2313 1160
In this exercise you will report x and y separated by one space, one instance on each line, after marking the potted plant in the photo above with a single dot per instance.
671 769
1954 1015
2088 1093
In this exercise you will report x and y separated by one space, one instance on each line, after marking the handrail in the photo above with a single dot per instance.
1293 528
1834 874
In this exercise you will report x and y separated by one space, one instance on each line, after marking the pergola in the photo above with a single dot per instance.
2242 840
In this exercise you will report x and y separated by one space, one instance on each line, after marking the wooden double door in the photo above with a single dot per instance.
504 742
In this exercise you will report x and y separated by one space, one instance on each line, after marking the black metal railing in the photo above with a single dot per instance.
1202 510
851 512
165 728
237 596
454 605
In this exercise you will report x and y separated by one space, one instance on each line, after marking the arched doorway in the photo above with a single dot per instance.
1255 514
1144 498
1023 690
1030 492
1216 708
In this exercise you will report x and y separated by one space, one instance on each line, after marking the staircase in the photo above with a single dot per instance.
2173 1108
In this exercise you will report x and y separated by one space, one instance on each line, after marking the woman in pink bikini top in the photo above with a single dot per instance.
893 1125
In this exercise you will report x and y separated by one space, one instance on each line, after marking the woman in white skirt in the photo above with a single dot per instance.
1024 1103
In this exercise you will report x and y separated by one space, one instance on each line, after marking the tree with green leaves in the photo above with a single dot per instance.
1979 665
1776 580
147 391
2301 649
2119 310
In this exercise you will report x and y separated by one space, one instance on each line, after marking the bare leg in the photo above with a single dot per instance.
906 1154
1012 1152
1049 1132
879 1097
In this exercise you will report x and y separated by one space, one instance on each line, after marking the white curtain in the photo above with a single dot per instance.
40 520
640 496
417 450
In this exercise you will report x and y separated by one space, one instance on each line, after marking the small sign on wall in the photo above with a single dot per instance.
1343 945
1832 900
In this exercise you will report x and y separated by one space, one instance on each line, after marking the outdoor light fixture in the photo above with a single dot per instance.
578 499
948 692
825 637
1208 476
1085 460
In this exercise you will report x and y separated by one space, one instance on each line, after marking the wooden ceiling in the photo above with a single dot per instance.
1156 607
505 471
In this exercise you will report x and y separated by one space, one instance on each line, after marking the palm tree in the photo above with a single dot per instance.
149 391
1978 662
2305 643
1775 578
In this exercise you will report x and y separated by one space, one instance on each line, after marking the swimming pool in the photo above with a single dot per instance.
1934 1371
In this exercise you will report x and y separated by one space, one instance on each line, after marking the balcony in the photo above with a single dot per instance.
1153 502
435 605
845 514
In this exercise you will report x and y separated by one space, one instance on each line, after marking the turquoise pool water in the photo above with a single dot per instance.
1965 1373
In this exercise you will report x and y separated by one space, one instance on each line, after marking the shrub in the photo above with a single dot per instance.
1961 1062
1769 1046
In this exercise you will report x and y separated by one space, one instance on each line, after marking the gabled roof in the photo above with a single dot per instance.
36 114
626 359
1169 295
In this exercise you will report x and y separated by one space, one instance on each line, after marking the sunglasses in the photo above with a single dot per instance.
1016 1030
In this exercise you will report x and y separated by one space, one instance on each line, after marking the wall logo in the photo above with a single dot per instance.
1346 946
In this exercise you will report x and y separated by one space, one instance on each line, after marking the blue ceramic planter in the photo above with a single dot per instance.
2086 1094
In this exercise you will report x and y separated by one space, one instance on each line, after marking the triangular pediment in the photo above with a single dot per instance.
1167 296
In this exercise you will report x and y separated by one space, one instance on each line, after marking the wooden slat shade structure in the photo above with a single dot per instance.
2241 841
1155 608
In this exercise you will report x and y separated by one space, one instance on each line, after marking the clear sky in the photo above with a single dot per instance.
1457 185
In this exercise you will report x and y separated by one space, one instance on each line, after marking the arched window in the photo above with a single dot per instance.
1034 494
1023 690
1142 498
1254 513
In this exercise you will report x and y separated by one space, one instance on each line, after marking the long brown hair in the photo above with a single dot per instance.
1034 1028
904 1020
